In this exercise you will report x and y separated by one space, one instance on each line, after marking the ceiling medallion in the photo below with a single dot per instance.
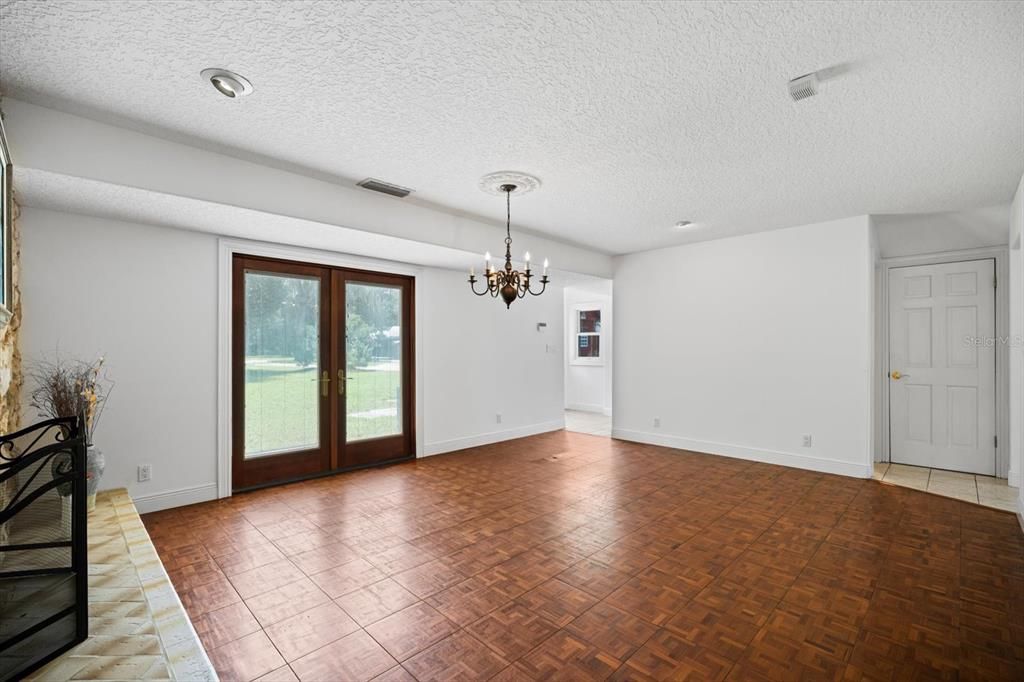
508 282
492 183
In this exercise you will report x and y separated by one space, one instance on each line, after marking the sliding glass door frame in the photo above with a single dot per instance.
333 453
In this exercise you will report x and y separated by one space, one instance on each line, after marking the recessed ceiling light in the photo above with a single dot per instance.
228 83
684 223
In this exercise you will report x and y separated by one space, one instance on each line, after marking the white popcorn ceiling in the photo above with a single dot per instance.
634 115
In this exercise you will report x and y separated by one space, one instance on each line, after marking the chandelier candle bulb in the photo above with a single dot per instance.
545 273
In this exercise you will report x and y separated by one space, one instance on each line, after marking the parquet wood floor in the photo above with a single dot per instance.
567 556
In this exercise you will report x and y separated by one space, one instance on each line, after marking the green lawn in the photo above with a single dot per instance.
282 405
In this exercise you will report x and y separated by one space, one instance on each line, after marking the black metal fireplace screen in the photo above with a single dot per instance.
44 607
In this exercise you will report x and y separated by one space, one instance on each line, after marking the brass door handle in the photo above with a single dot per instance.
895 374
341 382
325 382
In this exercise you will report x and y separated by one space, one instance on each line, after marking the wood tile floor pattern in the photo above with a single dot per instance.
567 556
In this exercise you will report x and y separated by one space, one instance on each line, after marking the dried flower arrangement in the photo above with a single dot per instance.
70 388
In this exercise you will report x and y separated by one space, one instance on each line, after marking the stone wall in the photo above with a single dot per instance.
10 357
10 371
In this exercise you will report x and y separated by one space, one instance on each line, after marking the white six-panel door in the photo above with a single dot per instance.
942 366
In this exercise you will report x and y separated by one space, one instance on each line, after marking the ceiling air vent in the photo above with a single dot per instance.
804 86
384 188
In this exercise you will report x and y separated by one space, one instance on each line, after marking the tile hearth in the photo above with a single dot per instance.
137 627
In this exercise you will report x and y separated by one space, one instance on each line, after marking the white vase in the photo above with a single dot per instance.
95 464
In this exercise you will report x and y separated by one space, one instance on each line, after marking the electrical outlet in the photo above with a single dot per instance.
497 418
807 440
145 472
657 422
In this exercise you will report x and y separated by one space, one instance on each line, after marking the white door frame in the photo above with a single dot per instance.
226 249
1004 468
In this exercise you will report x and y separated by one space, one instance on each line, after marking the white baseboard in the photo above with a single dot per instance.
788 459
1013 478
493 437
1020 511
175 498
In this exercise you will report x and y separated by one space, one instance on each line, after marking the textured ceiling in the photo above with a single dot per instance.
634 115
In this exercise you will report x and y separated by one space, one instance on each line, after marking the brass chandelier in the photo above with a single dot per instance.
508 282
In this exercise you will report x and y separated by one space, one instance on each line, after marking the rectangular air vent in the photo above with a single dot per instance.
803 87
384 188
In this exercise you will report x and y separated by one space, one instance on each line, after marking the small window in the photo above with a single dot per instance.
588 336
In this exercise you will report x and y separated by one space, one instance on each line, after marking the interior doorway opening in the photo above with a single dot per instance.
588 363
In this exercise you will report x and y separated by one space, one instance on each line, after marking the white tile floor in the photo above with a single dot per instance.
985 490
588 422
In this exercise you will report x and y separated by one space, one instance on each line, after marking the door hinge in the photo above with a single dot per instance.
995 281
995 441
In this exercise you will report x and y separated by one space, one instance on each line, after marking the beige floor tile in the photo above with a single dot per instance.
908 471
588 422
944 476
879 471
1002 493
961 489
120 645
995 503
1005 505
914 481
105 668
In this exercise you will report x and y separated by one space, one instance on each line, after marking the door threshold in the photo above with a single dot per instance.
986 491
322 474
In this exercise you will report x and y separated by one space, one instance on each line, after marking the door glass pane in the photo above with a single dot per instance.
373 360
282 363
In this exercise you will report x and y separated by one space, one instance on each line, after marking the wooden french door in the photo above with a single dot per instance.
322 370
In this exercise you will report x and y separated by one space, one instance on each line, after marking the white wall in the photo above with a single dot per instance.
71 163
146 297
480 359
1016 334
742 345
589 387
914 234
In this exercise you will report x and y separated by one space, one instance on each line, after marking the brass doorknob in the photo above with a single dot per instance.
895 374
